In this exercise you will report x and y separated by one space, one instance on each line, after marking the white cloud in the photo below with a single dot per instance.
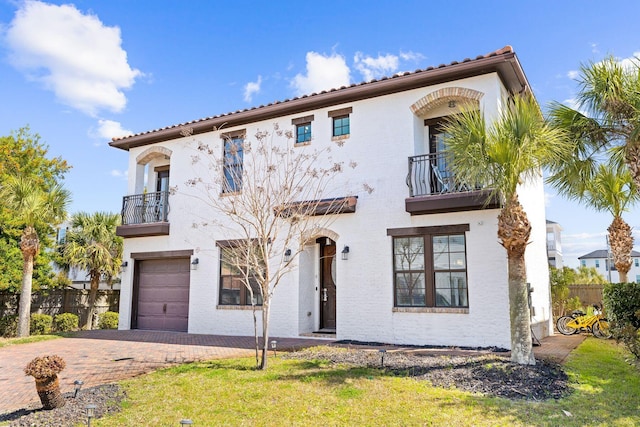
373 68
323 73
631 64
594 48
252 88
116 173
74 55
573 74
411 56
108 129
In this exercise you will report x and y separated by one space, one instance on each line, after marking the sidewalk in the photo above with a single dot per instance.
105 356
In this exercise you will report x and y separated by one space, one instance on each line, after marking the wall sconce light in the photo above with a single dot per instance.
194 264
124 265
345 253
77 385
287 255
274 345
90 410
185 422
452 104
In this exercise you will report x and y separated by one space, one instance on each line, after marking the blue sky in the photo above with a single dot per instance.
79 73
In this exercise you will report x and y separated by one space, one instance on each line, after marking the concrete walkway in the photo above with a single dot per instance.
105 356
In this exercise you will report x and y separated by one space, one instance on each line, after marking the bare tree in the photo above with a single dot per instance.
269 197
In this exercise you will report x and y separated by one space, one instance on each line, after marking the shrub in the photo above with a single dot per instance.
108 320
40 324
65 322
622 301
574 304
9 326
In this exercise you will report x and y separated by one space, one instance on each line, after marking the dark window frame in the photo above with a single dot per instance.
233 163
237 294
338 126
306 133
429 271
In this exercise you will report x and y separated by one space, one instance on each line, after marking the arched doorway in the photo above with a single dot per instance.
327 284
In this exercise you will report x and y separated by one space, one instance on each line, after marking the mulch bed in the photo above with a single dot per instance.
489 374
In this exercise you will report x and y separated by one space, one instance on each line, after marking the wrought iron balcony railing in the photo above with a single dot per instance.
428 174
145 208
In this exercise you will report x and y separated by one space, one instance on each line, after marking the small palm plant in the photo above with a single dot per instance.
45 370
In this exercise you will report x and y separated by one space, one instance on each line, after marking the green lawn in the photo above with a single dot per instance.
4 342
294 392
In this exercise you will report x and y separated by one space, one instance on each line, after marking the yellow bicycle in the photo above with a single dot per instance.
596 323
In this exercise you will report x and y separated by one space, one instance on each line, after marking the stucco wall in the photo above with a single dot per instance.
383 135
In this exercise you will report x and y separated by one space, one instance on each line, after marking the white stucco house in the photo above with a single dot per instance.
602 261
175 278
554 244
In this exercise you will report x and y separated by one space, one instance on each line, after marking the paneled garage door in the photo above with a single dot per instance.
163 294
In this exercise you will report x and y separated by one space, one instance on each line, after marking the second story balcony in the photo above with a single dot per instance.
433 188
145 215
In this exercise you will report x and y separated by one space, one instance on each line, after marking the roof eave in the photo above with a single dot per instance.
506 65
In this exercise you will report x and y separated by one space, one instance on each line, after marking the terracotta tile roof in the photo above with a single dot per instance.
313 99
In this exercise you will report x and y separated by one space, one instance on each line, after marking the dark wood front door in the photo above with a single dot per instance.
328 286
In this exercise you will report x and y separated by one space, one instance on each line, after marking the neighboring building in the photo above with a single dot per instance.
554 244
601 261
391 128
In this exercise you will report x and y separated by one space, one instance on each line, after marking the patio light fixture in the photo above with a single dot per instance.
345 253
90 410
287 255
274 345
194 264
77 385
124 265
452 104
382 353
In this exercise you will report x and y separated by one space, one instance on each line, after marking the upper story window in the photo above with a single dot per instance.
598 263
341 126
233 162
636 262
583 262
430 266
162 178
341 122
303 129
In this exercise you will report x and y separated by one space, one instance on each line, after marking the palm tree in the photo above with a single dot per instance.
607 116
511 152
92 245
34 209
610 189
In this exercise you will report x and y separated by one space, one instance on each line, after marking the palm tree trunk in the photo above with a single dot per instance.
29 245
621 241
93 292
24 308
632 158
521 344
514 231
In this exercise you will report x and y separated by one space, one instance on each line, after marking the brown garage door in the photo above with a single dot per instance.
163 294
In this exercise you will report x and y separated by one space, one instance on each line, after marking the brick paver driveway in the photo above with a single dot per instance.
101 357
105 356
